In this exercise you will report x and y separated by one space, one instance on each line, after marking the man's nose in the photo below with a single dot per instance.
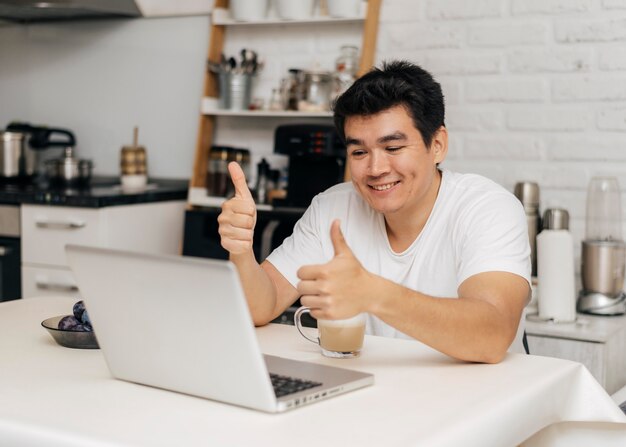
378 163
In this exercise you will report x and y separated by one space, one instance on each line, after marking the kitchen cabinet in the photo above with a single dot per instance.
209 109
148 227
597 342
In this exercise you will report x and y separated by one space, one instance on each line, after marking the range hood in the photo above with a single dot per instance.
28 11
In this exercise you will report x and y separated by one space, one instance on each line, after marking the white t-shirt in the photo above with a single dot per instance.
475 226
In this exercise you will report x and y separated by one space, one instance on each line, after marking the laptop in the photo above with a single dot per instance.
182 324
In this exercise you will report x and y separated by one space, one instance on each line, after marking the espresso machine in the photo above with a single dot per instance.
317 160
603 258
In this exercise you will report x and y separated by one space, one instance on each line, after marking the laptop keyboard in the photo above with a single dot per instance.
284 385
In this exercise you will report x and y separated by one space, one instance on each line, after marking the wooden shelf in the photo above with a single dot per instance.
220 21
209 107
221 16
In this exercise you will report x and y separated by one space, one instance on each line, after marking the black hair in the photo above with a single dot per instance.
396 83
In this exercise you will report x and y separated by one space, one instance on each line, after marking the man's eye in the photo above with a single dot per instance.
357 153
393 148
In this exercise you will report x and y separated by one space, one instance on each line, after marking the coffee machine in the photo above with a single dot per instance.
603 258
317 160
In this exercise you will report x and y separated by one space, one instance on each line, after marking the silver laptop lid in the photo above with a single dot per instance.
156 316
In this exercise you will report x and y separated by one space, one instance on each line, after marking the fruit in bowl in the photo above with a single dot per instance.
73 331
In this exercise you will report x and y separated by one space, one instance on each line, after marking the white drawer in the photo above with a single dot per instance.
41 281
47 229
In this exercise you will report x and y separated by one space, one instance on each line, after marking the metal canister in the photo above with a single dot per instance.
528 194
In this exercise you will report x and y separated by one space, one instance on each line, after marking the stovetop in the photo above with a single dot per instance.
102 191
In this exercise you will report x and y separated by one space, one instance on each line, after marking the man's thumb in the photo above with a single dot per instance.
336 236
239 180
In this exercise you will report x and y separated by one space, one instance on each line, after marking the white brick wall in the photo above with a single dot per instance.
535 89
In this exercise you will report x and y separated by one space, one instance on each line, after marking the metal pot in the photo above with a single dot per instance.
69 171
20 147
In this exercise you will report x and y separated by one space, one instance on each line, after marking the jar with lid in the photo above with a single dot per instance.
346 69
316 91
291 88
242 157
217 175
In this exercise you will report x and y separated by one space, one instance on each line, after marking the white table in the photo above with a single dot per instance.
55 396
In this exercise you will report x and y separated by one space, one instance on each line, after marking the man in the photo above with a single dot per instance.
433 255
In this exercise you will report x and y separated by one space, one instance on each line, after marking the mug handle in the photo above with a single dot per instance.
298 323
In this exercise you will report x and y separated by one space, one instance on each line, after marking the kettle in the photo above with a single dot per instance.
21 144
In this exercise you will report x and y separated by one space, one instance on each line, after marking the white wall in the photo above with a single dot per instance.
535 89
101 78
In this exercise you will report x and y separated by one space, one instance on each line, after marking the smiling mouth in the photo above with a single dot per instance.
384 187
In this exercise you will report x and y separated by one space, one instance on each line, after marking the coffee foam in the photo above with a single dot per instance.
357 320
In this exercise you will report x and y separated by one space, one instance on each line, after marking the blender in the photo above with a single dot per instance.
603 251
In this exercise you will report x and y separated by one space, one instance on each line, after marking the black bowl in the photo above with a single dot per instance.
70 339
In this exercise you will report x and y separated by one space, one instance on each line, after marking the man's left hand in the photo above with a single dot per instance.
337 289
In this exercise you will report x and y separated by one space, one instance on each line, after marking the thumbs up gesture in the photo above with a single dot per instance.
238 216
338 289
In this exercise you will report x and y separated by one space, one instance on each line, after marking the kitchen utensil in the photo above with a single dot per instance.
70 339
68 170
21 144
603 257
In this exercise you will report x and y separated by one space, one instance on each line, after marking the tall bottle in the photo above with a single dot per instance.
528 194
555 268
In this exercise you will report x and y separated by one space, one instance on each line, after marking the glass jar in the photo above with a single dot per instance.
316 91
292 88
348 60
217 175
346 69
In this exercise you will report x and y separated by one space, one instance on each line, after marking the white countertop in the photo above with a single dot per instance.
56 396
593 328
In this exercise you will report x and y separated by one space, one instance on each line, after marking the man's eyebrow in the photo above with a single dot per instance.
353 141
396 136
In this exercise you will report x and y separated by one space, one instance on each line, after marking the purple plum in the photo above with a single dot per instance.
68 323
78 309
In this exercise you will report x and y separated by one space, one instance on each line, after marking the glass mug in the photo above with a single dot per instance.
340 339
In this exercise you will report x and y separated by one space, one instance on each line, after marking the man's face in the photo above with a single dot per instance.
391 167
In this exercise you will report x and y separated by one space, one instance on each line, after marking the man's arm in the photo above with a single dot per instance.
268 293
479 326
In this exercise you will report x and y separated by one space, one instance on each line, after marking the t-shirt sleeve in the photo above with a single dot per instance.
303 247
494 238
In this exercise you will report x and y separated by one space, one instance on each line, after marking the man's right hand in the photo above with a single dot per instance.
238 216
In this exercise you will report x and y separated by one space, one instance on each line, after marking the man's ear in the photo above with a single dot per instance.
439 144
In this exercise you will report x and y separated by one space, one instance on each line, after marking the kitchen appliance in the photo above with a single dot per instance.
603 259
22 11
317 159
22 146
10 253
